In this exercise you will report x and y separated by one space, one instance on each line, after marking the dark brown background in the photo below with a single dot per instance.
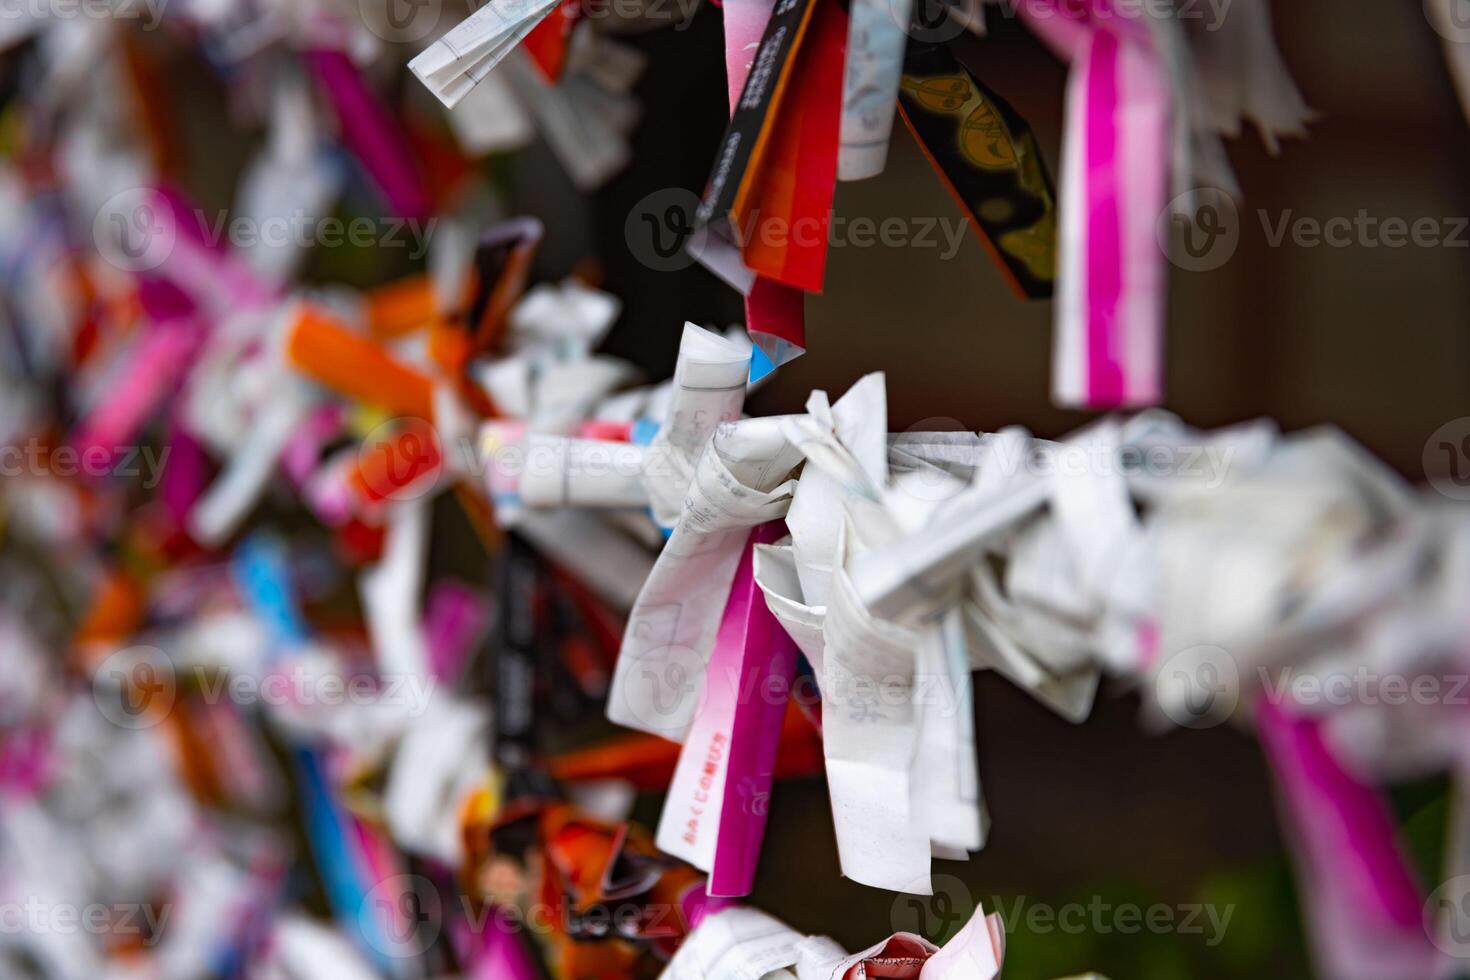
1370 339
1373 340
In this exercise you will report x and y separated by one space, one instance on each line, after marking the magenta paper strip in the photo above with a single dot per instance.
371 133
1104 224
303 453
697 902
715 813
1110 305
185 475
1363 905
455 617
206 270
754 648
154 373
491 949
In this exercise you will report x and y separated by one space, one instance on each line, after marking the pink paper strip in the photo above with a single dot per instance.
302 454
697 903
455 618
975 953
491 951
745 22
155 372
1110 307
207 271
162 300
371 133
763 654
25 762
715 813
185 475
1363 906
1104 237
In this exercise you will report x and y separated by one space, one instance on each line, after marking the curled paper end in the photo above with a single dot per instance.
768 353
776 315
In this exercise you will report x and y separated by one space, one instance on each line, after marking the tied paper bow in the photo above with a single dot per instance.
744 944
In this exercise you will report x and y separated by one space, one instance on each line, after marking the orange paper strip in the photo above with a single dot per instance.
334 356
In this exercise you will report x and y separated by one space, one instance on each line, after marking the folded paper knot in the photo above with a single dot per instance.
743 944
